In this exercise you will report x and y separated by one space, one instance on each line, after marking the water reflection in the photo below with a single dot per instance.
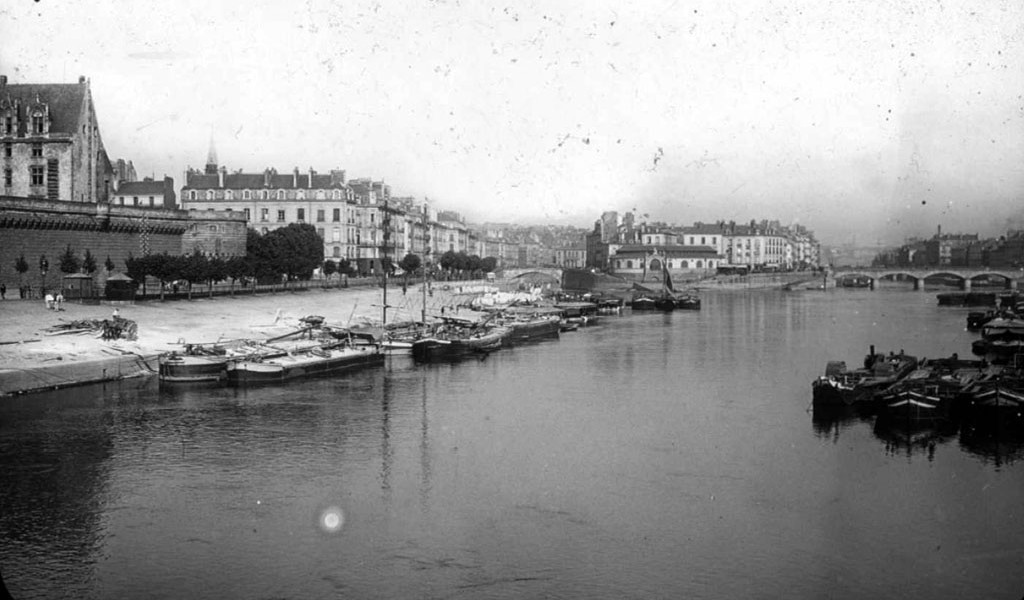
903 437
1001 446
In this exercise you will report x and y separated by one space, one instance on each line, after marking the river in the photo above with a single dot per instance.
652 455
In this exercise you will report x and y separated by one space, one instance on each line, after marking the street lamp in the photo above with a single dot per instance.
44 266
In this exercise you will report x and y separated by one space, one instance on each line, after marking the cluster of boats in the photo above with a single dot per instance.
900 388
318 348
1001 329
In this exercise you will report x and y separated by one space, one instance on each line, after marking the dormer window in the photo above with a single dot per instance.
8 125
265 195
209 194
280 194
337 194
37 122
192 195
229 195
300 195
246 195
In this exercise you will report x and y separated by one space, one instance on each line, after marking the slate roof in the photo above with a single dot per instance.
140 188
64 99
256 181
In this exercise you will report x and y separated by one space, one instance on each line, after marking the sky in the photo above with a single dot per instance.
867 122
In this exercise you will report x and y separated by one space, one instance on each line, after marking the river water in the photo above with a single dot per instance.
653 455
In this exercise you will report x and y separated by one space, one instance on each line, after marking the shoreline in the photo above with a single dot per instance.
34 357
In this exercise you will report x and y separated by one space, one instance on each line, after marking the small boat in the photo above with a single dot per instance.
839 385
578 313
527 326
643 302
326 358
688 302
454 341
195 363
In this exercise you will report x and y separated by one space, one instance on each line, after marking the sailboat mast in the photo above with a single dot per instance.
386 221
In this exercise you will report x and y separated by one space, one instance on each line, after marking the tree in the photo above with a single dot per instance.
448 260
297 250
69 263
163 267
109 264
488 264
136 268
236 268
89 263
21 266
194 269
216 270
330 268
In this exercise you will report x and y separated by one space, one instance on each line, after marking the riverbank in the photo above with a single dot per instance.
35 356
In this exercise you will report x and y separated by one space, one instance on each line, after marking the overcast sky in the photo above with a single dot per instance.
864 118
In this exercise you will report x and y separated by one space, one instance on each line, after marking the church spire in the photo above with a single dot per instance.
211 158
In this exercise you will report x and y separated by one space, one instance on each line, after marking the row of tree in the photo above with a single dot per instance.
287 254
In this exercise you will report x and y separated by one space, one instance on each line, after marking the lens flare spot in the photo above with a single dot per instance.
332 519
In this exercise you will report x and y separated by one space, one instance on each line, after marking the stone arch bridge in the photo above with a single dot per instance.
964 274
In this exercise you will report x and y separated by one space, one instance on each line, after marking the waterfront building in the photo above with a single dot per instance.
638 260
571 257
51 144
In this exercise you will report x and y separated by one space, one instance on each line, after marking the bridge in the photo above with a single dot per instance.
918 275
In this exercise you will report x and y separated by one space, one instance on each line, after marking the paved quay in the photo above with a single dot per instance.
33 357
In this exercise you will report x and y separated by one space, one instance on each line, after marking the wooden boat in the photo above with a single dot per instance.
643 302
453 341
996 400
528 326
578 313
688 302
207 362
924 395
323 359
840 385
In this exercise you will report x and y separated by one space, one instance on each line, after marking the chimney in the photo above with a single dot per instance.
266 177
311 174
220 176
295 178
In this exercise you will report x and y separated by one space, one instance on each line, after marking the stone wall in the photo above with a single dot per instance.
34 228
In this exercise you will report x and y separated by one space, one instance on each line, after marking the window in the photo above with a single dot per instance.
320 215
300 195
301 216
212 228
8 125
246 195
8 177
337 195
714 241
629 264
191 194
265 195
135 200
209 194
246 211
152 201
37 150
686 264
264 214
337 215
337 235
280 194
703 241
280 216
699 264
8 150
36 175
337 252
229 195
37 123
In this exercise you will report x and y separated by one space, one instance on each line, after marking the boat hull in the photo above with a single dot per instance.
305 364
432 349
176 368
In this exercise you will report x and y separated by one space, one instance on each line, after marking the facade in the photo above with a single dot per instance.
572 257
649 261
145 194
50 145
